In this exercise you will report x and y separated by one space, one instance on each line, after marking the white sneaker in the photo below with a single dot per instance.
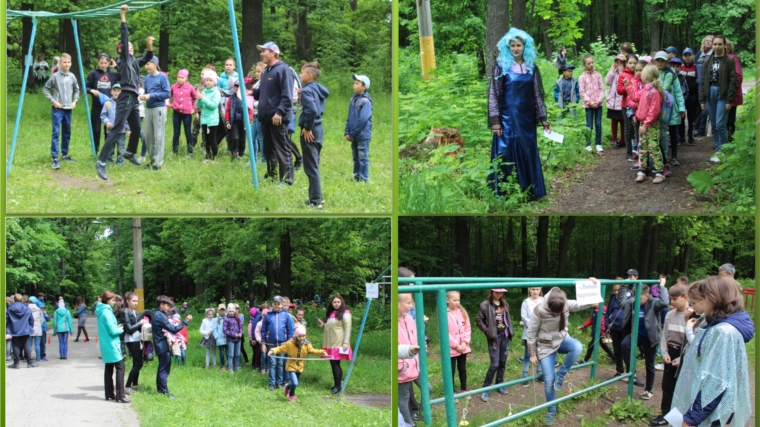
599 149
588 149
715 159
659 366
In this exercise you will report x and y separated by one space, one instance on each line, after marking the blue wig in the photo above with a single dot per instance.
505 58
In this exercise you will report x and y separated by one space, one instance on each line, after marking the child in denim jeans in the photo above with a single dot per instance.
359 127
592 94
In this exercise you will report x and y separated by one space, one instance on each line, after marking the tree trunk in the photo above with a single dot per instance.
643 261
497 24
654 248
655 27
301 32
249 280
519 14
620 251
230 282
686 255
546 26
353 4
286 257
542 237
270 278
462 244
68 45
26 37
511 249
524 243
163 37
63 269
607 19
564 244
253 32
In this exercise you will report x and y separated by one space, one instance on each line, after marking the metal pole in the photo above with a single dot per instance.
137 249
27 66
83 92
634 338
598 334
251 156
427 47
448 376
427 415
356 348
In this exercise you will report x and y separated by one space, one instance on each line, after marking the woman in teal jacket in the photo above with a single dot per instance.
109 332
62 326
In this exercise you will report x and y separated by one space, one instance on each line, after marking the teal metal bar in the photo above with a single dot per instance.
597 336
419 307
634 337
510 284
356 348
241 75
551 403
83 88
27 66
448 376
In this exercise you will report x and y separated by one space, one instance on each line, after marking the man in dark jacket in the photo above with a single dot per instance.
275 95
19 324
127 106
158 324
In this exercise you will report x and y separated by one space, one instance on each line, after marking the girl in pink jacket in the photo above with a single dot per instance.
408 369
633 88
182 102
459 337
591 88
648 115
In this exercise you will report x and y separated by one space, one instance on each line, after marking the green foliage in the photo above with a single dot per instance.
563 18
701 180
629 410
600 421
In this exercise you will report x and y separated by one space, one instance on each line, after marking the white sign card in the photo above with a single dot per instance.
554 136
588 292
674 418
373 290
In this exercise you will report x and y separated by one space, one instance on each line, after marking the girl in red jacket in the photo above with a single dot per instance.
648 115
622 89
460 333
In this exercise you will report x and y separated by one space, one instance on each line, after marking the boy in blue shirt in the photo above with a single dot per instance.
359 127
566 90
313 96
108 117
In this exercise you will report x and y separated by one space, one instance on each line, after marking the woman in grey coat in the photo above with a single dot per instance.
81 315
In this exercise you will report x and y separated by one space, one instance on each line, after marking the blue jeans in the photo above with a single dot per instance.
222 354
716 108
36 344
702 121
61 122
276 368
178 119
573 349
142 138
594 118
257 140
360 153
293 382
233 355
263 358
526 361
63 344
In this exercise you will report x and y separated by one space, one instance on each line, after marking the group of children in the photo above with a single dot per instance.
651 96
707 384
211 109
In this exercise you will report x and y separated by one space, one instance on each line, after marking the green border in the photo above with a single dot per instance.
394 221
757 178
3 97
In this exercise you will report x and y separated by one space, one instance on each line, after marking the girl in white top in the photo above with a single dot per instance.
528 305
207 332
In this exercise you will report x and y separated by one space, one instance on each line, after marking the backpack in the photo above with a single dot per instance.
666 111
684 86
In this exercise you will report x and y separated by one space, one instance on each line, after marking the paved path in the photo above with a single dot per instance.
67 392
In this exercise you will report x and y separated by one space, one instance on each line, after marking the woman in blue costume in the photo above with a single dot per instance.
515 108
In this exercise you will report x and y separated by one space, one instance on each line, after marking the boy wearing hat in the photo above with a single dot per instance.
689 72
157 91
672 52
566 90
277 327
359 127
128 107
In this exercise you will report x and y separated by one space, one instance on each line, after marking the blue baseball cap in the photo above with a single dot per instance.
154 60
567 67
676 60
672 49
116 86
688 50
363 79
268 45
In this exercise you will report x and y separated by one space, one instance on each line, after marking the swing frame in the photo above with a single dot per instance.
105 12
440 285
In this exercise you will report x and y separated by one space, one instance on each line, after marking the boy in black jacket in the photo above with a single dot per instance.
127 106
313 97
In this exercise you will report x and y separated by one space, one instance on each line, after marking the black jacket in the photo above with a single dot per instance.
129 67
275 93
158 323
129 320
726 79
102 81
486 323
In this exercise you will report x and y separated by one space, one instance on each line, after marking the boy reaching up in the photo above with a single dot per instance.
64 99
127 105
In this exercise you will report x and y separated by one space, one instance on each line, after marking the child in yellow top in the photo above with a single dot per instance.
297 347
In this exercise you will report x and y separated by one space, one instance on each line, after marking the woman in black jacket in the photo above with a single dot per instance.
132 329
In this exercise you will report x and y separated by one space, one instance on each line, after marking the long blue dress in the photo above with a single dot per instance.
517 146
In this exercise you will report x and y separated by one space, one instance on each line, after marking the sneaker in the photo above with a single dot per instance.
715 159
692 143
292 398
541 379
298 164
599 149
56 165
658 421
636 166
637 382
632 158
32 365
484 397
156 168
659 366
67 158
617 375
675 162
666 172
588 148
635 155
503 390
286 391
132 158
615 144
271 387
641 177
14 366
646 395
549 419
557 385
658 179
44 359
101 169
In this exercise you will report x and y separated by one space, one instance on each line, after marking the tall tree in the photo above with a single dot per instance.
462 237
163 36
564 244
542 251
286 257
497 25
519 14
253 31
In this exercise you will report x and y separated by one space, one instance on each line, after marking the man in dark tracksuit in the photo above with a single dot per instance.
127 105
275 95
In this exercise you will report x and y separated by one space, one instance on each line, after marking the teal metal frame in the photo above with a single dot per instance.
440 285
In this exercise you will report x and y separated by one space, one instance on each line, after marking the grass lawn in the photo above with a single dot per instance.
213 397
187 185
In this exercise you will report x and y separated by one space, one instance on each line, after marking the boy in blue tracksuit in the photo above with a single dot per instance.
359 127
313 98
277 328
566 90
108 117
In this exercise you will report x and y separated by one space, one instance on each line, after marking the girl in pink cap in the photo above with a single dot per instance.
208 106
493 319
297 349
182 102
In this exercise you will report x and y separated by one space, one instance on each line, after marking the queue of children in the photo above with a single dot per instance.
702 342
